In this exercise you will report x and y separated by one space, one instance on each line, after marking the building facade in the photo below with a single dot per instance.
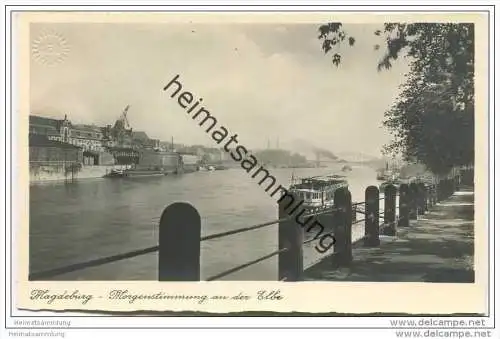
89 137
43 151
48 127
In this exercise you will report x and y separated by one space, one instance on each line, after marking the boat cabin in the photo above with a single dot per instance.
317 191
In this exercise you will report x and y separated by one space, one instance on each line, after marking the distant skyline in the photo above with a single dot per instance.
262 81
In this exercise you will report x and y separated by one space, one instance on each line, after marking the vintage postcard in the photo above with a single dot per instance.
227 162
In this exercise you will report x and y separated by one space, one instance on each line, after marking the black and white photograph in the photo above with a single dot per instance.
252 151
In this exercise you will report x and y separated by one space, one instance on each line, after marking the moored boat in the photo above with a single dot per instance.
317 191
115 173
120 173
394 182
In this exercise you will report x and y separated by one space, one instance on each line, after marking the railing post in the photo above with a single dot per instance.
422 198
179 243
454 181
290 236
439 189
372 228
413 194
467 177
451 188
404 219
389 210
434 194
343 227
428 201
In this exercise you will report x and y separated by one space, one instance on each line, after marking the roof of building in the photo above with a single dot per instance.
42 141
52 132
87 128
38 120
43 129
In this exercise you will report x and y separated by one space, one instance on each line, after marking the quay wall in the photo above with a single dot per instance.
156 161
189 162
40 173
106 159
56 162
190 159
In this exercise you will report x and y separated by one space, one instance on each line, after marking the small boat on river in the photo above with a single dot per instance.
128 173
115 173
346 168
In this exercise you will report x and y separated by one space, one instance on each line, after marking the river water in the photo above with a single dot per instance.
89 219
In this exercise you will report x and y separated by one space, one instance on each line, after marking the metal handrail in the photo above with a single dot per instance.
92 263
250 263
244 229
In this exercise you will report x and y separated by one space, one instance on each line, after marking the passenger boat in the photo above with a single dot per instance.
395 182
317 191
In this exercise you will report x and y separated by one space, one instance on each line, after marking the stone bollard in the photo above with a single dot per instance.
413 201
390 210
343 228
372 230
179 243
404 219
422 198
290 236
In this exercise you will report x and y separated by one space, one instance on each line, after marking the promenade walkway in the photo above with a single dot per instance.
439 247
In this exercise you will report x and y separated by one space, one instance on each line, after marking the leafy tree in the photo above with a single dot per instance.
432 120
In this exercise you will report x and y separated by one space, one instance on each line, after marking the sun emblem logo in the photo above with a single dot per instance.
50 49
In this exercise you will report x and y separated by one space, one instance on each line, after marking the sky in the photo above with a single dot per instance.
261 81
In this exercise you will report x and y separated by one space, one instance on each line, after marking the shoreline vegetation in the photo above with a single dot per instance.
240 154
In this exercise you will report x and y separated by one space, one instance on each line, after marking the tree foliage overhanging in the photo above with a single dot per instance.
432 120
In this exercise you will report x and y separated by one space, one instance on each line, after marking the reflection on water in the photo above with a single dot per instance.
76 222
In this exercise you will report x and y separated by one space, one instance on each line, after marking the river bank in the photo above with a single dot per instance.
53 174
